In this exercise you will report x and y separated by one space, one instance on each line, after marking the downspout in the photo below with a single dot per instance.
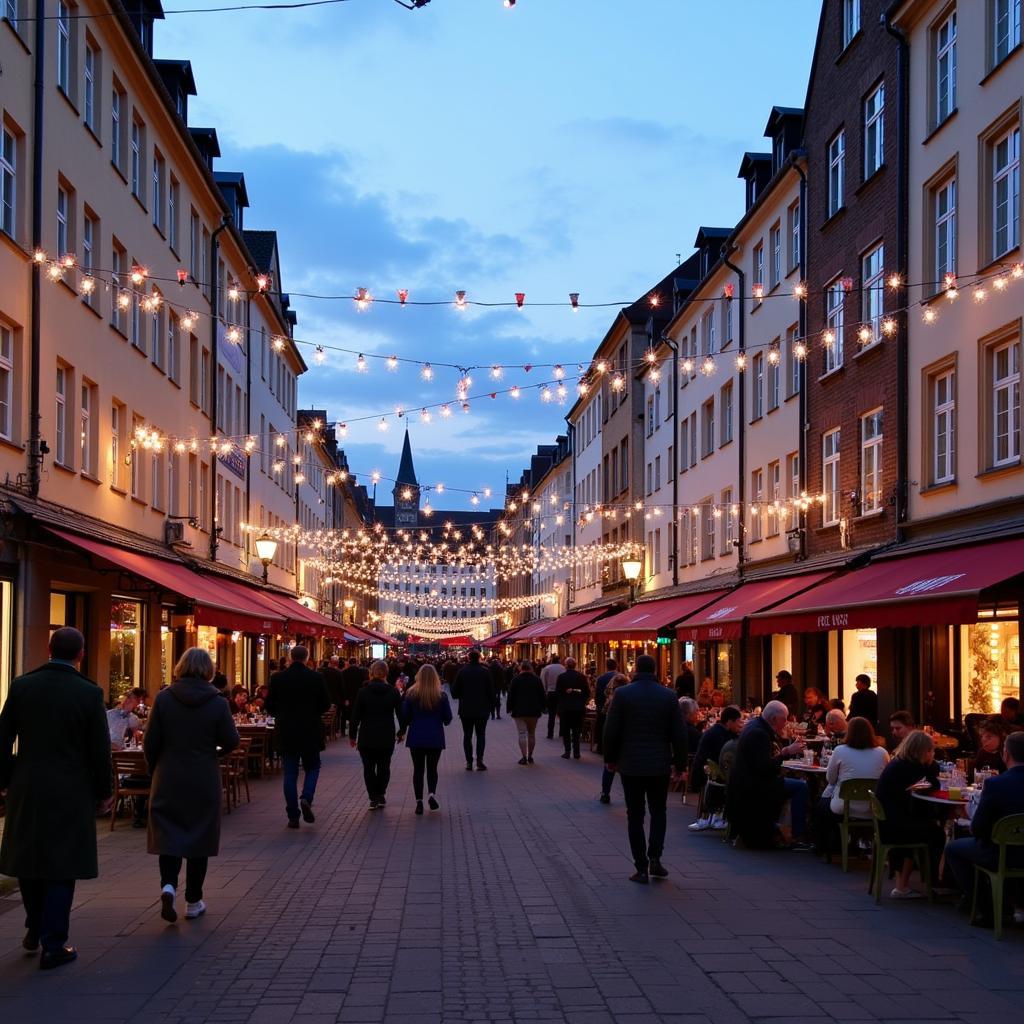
214 369
674 349
902 238
35 446
802 364
741 409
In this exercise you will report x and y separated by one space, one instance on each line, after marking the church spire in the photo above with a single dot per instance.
406 472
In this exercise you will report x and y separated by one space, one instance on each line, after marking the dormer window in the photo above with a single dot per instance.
751 190
778 151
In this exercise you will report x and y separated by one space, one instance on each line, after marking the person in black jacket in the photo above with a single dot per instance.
297 701
526 703
708 749
571 695
353 677
644 740
375 721
611 670
498 683
686 681
474 690
864 703
335 682
786 693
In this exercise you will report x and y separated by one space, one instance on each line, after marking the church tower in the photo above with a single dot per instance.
407 490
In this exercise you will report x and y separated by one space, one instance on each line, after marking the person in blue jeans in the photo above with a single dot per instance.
297 701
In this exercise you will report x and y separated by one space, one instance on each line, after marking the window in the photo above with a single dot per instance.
87 452
173 482
650 416
793 476
137 298
708 532
117 126
757 387
624 472
92 60
944 212
135 177
728 521
117 443
830 478
173 202
657 472
118 266
874 131
756 503
10 12
8 182
173 347
1006 28
945 68
684 444
851 20
775 246
708 428
871 462
693 438
833 338
1006 193
758 272
64 46
943 439
725 414
137 470
836 173
774 496
774 375
708 336
157 198
90 236
194 242
6 382
156 479
1004 373
157 328
60 450
793 360
63 248
727 326
794 236
873 292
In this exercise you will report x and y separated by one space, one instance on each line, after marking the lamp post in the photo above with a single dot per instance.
631 569
349 604
266 548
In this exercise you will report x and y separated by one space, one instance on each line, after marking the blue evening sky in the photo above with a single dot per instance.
561 146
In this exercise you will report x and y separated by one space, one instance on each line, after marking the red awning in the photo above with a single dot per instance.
359 635
560 628
457 641
499 638
520 635
215 604
642 621
724 619
935 588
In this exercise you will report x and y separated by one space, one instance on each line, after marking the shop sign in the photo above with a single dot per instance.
927 586
235 461
663 640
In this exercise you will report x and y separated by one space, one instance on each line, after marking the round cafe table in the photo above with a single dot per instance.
802 766
937 797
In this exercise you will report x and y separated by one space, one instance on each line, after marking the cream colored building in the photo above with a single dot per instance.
586 420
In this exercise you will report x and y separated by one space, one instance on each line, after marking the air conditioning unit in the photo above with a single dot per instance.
174 533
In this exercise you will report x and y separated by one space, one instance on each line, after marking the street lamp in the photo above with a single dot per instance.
349 605
631 569
266 548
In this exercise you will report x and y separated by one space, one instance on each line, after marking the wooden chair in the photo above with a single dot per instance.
328 721
1006 833
919 851
258 750
238 770
849 791
129 768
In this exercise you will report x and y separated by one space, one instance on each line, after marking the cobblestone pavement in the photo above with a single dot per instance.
511 904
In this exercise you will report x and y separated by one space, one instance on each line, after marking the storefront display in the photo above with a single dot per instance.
990 664
860 657
125 646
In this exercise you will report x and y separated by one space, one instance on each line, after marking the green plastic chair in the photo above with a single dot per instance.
849 791
919 851
1006 832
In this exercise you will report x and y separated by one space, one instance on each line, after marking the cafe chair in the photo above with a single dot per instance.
258 753
854 790
714 783
130 780
919 851
1007 832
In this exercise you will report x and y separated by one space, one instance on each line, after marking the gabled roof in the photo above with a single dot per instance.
184 73
262 247
780 114
748 165
206 140
235 180
708 236
406 471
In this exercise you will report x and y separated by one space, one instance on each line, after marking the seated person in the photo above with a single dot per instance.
858 757
691 719
907 819
815 706
901 725
709 748
757 790
836 726
1011 713
991 734
239 701
1000 796
718 698
728 756
122 720
837 704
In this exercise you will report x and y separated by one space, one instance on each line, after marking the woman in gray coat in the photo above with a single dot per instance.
188 729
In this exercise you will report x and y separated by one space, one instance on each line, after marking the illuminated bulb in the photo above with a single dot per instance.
474 500
707 367
361 363
262 282
545 394
758 292
382 424
618 383
602 366
583 387
343 430
279 344
279 466
865 335
888 327
741 362
999 284
560 392
68 260
296 460
559 373
407 493
800 350
138 274
525 495
87 285
188 321
427 373
439 488
375 476
392 362
687 365
234 334
650 356
250 445
952 294
496 372
56 271
39 256
280 441
319 356
829 338
460 300
929 316
180 447
445 411
403 296
895 280
233 293
654 300
773 356
487 492
124 299
980 294
800 291
425 416
514 392
1017 271
363 299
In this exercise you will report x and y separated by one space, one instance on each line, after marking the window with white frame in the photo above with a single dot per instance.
62 221
836 173
1004 373
173 346
945 68
758 272
10 9
871 462
1005 28
137 338
64 46
6 382
793 485
794 236
756 503
157 331
708 428
725 414
728 521
657 472
775 248
650 416
833 340
944 213
91 74
851 20
874 130
8 182
774 497
727 322
873 292
830 477
85 438
173 202
90 236
116 110
135 177
173 482
60 441
1006 193
757 387
774 360
707 334
943 439
117 426
157 198
709 527
793 361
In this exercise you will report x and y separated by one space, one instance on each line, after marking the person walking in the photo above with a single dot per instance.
601 700
376 717
297 702
334 680
549 677
474 690
498 682
425 713
864 703
187 732
525 704
55 784
608 774
571 695
644 740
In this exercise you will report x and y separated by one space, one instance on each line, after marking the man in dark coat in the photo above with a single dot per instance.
334 680
353 676
571 695
498 682
376 717
474 690
787 693
298 700
611 669
61 773
864 703
645 741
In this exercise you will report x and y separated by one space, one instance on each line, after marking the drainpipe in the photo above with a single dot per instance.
214 368
802 364
35 444
902 233
741 407
674 349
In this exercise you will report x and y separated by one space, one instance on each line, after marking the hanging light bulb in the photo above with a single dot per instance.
800 291
56 271
707 367
895 281
187 321
87 285
889 326
514 392
363 299
545 394
773 356
687 365
520 299
496 372
382 424
234 335
392 363
361 365
460 300
403 296
279 343
425 416
741 361
138 274
617 382
865 335
574 301
559 372
427 373
445 411
342 430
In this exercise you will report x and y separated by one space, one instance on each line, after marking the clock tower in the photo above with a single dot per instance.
407 490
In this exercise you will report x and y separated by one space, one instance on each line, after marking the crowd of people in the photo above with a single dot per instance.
56 739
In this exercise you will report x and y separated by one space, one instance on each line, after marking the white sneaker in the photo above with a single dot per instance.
906 894
1018 917
193 910
167 911
718 822
700 825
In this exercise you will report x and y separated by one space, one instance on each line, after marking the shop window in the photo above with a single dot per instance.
6 636
125 646
860 656
990 661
